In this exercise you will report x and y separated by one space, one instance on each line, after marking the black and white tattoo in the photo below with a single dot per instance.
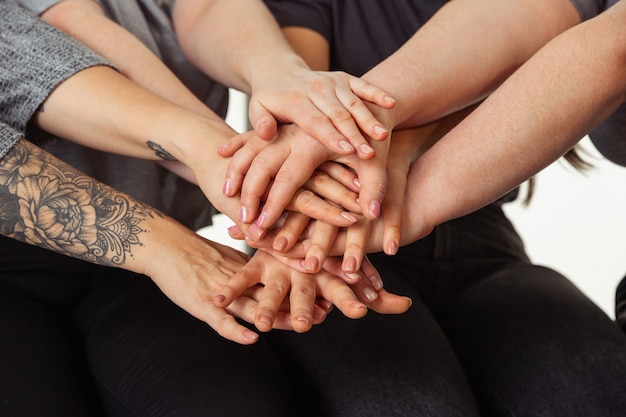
160 151
48 203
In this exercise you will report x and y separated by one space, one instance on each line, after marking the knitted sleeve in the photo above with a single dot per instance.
34 59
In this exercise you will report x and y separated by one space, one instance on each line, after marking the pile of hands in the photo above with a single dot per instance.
312 197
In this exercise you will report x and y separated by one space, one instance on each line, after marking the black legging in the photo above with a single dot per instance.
80 340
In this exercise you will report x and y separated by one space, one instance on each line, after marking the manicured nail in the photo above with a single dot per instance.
222 147
318 313
357 182
349 216
379 130
280 244
243 214
353 275
345 146
311 264
261 219
349 264
366 149
219 299
392 247
370 294
377 282
389 100
375 209
255 232
266 320
228 188
250 335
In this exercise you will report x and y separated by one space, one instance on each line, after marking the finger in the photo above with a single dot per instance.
340 294
371 93
302 300
245 307
320 244
226 326
373 178
364 120
255 185
235 143
369 271
328 188
262 120
292 228
388 303
243 279
308 203
293 173
239 165
392 207
341 173
356 240
277 286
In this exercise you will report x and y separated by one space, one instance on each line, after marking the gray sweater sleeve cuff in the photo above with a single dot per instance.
8 138
37 6
34 59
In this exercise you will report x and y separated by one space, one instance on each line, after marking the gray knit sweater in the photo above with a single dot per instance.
34 59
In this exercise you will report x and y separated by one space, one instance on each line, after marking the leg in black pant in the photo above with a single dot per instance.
534 345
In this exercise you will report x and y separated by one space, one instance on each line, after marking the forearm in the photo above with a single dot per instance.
47 203
232 40
463 53
85 21
101 109
538 114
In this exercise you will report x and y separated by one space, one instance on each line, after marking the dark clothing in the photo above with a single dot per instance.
487 329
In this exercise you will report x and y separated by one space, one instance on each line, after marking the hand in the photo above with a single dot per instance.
282 281
291 159
191 270
326 105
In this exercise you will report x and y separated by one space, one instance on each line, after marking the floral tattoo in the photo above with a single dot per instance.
47 203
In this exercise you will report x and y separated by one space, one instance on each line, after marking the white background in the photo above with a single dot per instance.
575 224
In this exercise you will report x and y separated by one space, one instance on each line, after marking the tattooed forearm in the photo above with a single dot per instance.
160 151
47 203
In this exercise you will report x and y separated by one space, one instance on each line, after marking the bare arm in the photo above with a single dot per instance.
238 43
544 109
463 52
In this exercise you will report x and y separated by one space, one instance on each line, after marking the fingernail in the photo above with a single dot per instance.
357 182
250 335
366 149
389 100
375 209
370 294
353 275
266 320
280 244
219 299
349 264
255 232
228 188
392 247
377 282
261 219
311 264
318 313
222 147
349 216
243 214
379 130
345 146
